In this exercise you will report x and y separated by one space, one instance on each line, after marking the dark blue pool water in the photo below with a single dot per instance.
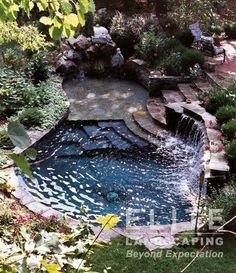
107 168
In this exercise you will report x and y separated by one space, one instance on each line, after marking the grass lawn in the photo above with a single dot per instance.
114 256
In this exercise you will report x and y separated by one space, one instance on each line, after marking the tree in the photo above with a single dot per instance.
61 16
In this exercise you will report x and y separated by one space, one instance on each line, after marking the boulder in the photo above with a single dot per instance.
99 30
102 40
73 55
65 66
64 47
92 52
108 50
82 43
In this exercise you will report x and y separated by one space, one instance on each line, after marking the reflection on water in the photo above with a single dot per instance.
105 167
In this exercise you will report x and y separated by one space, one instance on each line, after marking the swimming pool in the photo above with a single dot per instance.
104 166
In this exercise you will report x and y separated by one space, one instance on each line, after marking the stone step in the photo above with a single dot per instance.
172 96
198 112
219 80
157 110
123 131
187 91
218 163
147 123
203 85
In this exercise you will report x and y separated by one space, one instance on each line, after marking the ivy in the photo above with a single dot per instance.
63 17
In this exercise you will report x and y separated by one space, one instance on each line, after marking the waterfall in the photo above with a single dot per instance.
194 133
191 130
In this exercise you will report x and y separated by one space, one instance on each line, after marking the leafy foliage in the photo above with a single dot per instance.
5 142
215 99
229 129
27 37
185 37
225 200
43 244
62 17
18 93
168 54
231 153
230 30
38 68
30 117
108 221
18 135
126 31
188 11
225 113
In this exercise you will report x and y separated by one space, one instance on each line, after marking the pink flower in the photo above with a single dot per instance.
20 219
31 216
207 148
220 137
43 218
220 148
210 122
54 217
62 230
14 207
234 134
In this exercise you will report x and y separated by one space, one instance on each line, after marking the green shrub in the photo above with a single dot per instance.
14 93
223 200
17 93
5 142
172 64
38 68
55 105
185 37
230 30
226 113
14 57
126 31
229 129
30 117
155 47
150 46
217 29
167 54
190 57
231 153
28 37
169 25
216 99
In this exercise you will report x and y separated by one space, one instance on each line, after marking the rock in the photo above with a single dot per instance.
64 47
108 50
102 39
82 43
91 52
100 31
135 68
71 41
65 66
73 55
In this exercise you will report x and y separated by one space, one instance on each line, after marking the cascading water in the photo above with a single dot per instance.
194 133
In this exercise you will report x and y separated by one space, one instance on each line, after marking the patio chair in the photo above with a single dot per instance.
197 33
208 47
